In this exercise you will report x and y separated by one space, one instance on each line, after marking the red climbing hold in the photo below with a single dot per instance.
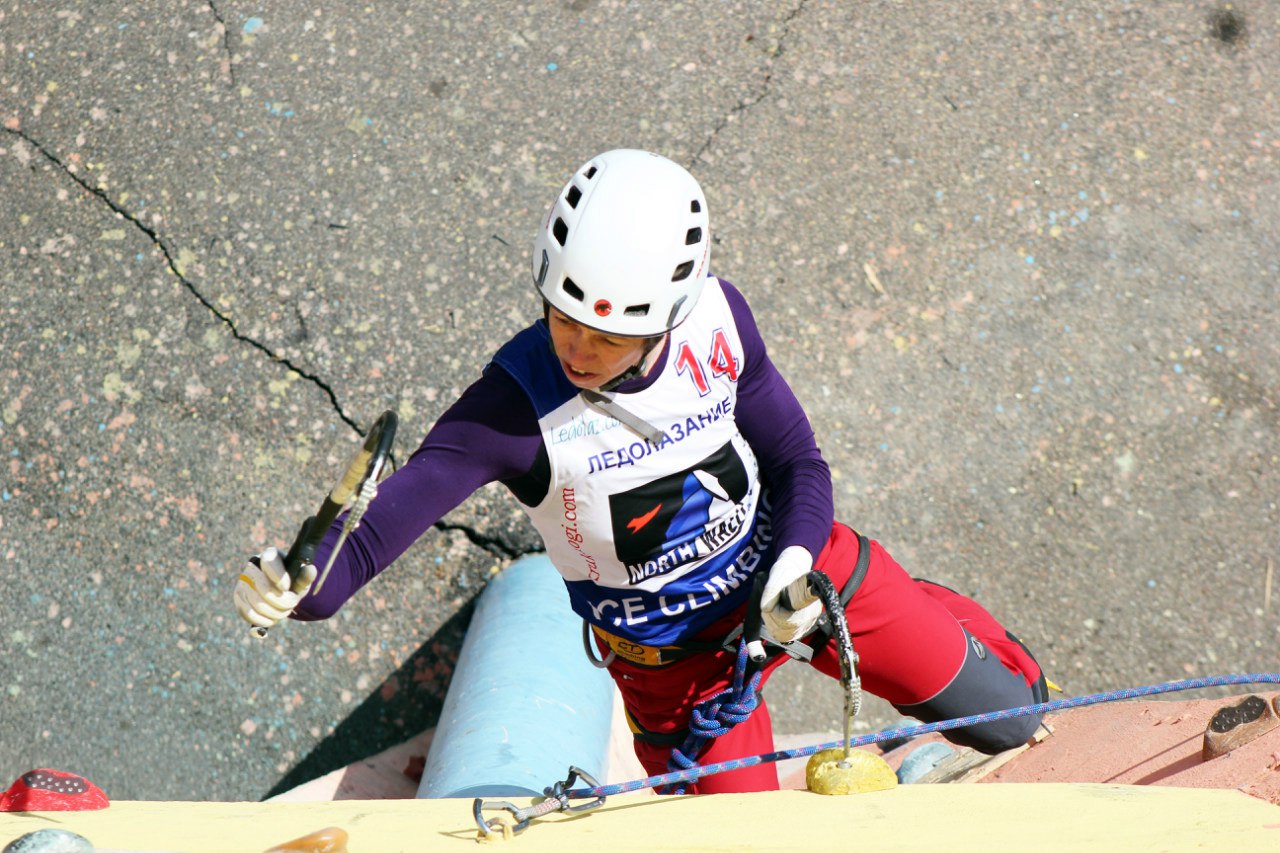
44 790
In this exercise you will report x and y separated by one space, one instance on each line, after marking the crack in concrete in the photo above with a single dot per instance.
490 544
160 244
749 103
226 41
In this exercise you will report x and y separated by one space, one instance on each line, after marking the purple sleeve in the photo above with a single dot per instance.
489 434
771 419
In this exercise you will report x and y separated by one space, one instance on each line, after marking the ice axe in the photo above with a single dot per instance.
356 487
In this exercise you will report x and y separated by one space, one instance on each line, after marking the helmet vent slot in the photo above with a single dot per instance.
692 236
637 310
591 173
682 271
573 196
694 206
560 231
572 289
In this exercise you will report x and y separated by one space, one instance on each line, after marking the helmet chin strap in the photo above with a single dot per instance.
634 370
611 405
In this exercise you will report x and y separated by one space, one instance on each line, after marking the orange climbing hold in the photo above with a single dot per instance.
331 839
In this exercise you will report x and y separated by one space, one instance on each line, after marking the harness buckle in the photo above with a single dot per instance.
798 650
730 642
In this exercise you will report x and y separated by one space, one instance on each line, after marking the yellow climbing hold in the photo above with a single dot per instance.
829 772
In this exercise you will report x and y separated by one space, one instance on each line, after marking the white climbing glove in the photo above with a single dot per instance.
264 594
796 614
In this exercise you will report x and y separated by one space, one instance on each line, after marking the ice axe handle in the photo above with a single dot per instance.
303 549
310 535
753 624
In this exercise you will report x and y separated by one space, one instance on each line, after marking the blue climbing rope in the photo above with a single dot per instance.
692 773
714 717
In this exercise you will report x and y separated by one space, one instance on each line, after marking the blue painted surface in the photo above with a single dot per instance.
524 704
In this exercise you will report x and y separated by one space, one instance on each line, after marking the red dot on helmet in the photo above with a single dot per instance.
603 308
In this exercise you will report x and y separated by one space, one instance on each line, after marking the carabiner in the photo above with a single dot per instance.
560 791
495 826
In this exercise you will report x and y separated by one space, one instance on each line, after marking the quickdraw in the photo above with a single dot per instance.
557 800
849 680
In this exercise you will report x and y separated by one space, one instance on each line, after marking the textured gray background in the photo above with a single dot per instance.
1019 261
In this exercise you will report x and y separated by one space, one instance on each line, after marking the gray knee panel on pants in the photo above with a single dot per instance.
982 684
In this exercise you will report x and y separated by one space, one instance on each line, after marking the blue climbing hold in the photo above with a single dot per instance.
49 840
923 759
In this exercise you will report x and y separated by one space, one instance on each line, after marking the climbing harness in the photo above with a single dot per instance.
562 794
650 656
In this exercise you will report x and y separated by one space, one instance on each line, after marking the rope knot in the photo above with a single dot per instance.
716 716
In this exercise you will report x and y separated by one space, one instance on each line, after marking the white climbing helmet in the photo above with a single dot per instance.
624 247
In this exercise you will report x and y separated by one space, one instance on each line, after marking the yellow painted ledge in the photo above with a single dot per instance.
955 818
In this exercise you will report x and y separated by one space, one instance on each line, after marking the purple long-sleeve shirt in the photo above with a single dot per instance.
491 434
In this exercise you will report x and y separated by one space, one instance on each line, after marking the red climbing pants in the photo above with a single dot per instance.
932 652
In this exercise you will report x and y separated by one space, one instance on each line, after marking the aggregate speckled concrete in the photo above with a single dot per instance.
1020 261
